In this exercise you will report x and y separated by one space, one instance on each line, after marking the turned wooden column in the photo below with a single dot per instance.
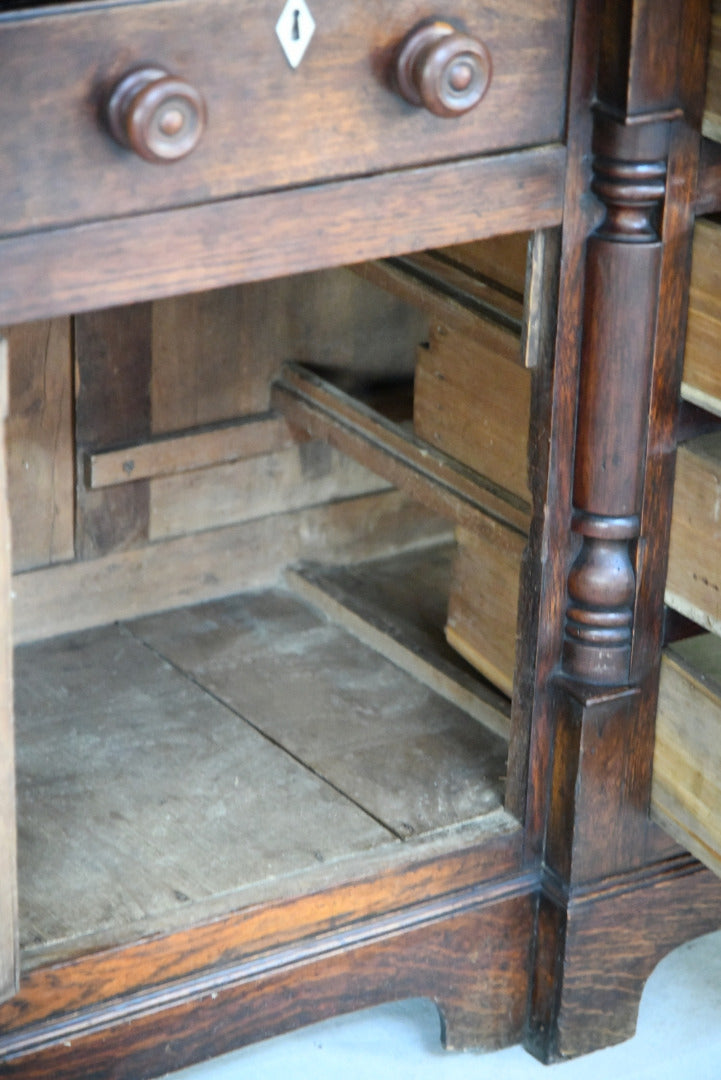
621 297
606 494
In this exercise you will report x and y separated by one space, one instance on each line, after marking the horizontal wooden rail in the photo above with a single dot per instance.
436 480
106 263
169 455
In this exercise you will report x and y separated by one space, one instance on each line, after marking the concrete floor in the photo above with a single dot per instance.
678 1038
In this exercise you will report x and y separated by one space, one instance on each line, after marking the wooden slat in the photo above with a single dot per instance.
686 796
247 437
212 564
443 484
41 455
8 859
202 247
693 584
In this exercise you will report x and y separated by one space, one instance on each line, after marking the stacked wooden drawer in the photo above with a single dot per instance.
687 762
472 400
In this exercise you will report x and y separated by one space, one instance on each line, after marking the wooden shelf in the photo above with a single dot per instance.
188 764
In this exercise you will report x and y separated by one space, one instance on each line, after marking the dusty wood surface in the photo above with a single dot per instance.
398 606
412 760
41 456
214 563
8 865
194 754
693 584
702 373
138 792
686 793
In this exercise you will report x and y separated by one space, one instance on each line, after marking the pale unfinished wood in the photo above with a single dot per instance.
686 794
8 859
472 401
41 455
445 485
382 604
301 476
140 795
215 353
413 761
483 601
712 113
214 563
693 584
247 437
702 371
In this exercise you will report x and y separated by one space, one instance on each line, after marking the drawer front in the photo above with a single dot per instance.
268 126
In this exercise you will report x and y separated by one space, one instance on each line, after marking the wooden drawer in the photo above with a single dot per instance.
268 126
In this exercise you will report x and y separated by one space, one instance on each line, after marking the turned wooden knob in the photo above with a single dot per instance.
443 69
158 115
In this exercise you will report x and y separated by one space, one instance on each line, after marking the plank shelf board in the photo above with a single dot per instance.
183 765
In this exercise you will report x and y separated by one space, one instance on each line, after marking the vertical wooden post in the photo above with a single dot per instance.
8 861
633 150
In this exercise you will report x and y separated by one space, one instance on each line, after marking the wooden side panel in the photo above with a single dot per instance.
8 868
40 443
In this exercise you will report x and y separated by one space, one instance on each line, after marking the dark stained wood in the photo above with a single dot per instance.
599 779
644 918
511 927
467 956
204 247
337 116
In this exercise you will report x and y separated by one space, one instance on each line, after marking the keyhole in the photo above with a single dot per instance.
295 32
